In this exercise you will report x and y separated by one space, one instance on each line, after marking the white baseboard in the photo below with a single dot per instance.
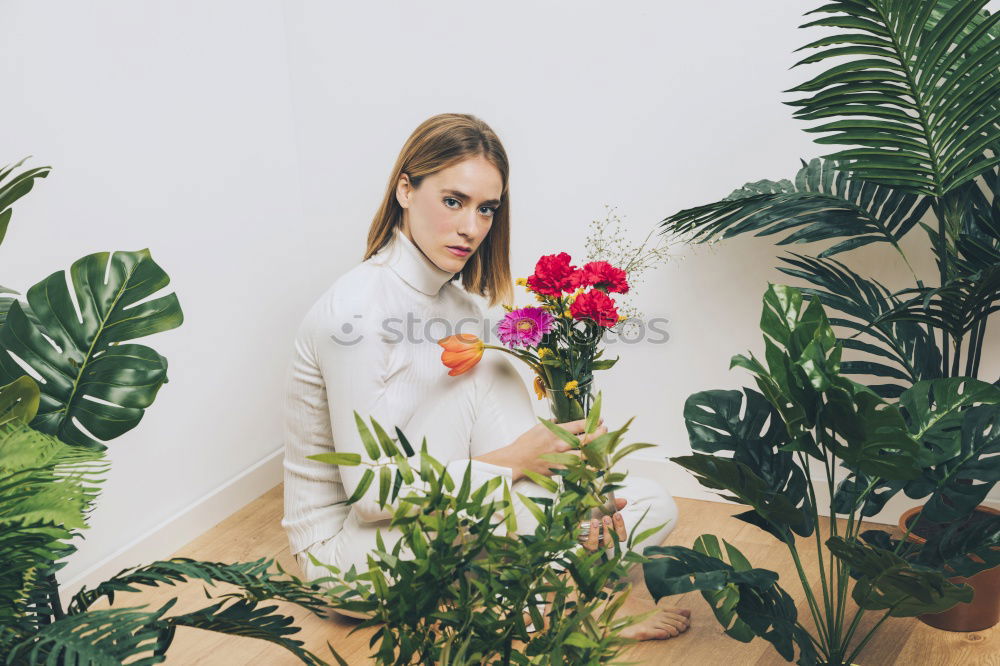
187 524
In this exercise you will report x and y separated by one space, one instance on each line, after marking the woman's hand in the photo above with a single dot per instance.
523 454
614 528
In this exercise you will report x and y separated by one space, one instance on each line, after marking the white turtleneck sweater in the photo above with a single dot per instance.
352 353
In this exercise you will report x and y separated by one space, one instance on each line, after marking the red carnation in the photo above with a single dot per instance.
603 276
553 275
595 305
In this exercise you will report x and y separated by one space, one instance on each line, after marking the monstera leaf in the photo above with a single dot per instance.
873 435
963 482
745 600
888 582
753 431
774 512
95 385
935 410
965 548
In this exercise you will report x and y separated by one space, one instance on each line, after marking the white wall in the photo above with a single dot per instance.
168 126
247 144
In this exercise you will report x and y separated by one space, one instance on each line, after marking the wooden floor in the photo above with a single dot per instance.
255 532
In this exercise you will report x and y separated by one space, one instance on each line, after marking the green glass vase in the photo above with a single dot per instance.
575 406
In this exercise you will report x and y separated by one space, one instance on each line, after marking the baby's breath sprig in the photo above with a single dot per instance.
609 242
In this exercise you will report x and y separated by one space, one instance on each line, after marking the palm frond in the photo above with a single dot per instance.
907 350
47 490
99 638
822 204
918 92
255 579
250 620
13 189
955 307
978 243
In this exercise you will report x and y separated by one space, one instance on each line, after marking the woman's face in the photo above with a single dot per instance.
452 208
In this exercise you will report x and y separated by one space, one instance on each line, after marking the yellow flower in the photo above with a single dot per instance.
507 308
622 317
567 313
539 297
539 387
570 387
545 352
521 282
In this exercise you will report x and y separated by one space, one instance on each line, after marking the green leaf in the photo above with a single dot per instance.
631 448
748 426
350 459
724 601
371 448
544 481
90 376
762 607
561 433
384 485
594 416
510 520
746 487
934 411
605 364
366 481
19 400
887 581
875 439
384 440
533 508
577 639
964 482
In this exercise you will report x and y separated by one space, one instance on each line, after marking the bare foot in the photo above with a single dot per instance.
667 622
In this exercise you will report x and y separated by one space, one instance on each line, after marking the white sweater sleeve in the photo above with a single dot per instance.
355 366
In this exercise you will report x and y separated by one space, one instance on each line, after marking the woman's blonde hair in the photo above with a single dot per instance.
438 143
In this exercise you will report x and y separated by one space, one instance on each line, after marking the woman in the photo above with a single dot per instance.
369 345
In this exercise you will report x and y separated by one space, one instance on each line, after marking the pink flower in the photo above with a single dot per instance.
525 327
603 276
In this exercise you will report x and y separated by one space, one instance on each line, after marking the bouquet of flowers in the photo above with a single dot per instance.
558 338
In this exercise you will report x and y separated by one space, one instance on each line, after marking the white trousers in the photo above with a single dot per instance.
481 412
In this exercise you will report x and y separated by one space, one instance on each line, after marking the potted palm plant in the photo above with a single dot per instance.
913 99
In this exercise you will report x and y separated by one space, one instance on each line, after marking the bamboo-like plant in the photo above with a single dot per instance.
761 449
454 587
97 385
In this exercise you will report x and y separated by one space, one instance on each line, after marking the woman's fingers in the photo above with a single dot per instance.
578 427
593 535
620 529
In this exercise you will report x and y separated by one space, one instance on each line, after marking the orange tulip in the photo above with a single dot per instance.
461 352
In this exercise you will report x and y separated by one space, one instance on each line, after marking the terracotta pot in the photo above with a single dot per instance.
984 610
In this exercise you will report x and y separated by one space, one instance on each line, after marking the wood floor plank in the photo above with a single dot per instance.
255 532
